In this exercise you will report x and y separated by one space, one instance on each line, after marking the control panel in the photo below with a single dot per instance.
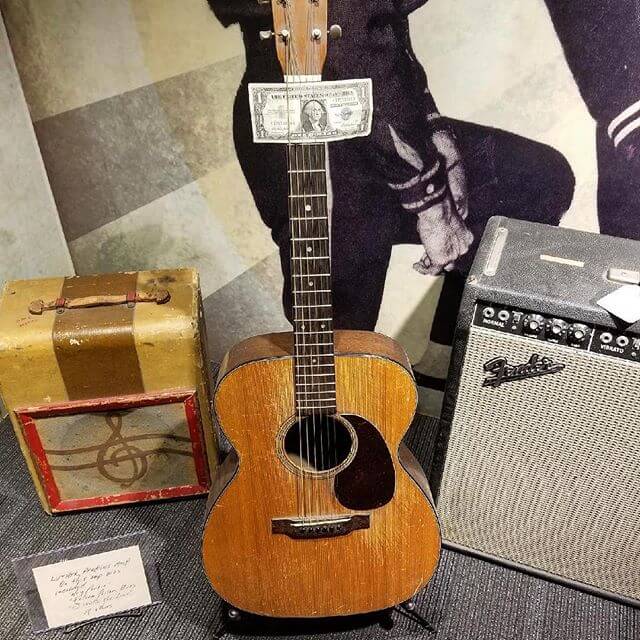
564 331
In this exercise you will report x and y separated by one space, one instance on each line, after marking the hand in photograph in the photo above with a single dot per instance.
445 237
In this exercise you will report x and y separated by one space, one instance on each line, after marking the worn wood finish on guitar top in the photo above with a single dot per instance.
370 569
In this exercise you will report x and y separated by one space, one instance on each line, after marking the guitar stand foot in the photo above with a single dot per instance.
234 614
409 608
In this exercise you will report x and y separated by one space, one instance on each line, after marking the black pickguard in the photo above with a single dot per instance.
369 481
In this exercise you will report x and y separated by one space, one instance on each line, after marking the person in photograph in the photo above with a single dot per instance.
420 177
314 117
601 42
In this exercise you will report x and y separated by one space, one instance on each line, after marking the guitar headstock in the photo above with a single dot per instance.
300 31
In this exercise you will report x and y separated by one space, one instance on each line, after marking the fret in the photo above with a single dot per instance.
307 195
311 291
307 170
309 218
315 384
309 406
304 333
308 239
329 408
310 257
319 366
318 375
314 356
312 275
326 393
311 306
315 344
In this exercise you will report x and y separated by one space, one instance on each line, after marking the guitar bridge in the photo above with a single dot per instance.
314 528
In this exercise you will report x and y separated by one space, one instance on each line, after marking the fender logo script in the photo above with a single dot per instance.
500 371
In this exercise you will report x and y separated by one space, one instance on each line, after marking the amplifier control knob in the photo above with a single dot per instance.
578 334
556 329
533 324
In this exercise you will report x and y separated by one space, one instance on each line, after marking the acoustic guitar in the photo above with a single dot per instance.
320 510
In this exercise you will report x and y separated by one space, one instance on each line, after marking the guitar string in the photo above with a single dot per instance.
320 152
317 186
308 181
329 455
305 313
316 182
309 391
312 182
300 484
300 342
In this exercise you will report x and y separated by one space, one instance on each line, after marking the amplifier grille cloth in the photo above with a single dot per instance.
545 471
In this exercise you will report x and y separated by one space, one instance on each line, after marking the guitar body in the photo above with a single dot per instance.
353 535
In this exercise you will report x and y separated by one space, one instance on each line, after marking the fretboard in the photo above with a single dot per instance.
315 379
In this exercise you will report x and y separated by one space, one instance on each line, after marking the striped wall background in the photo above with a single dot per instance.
31 240
131 105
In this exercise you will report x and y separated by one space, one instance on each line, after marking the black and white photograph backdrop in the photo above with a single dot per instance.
134 129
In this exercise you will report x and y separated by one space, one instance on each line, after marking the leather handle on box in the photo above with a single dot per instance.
160 296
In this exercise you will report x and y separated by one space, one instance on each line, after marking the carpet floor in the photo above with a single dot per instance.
468 599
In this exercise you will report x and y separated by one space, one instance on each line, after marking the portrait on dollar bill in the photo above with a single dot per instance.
313 117
410 200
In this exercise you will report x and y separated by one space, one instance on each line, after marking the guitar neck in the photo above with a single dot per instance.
311 279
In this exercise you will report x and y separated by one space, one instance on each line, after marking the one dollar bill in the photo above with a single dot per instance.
307 112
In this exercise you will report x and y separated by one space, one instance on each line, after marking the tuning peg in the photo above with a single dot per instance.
266 35
335 32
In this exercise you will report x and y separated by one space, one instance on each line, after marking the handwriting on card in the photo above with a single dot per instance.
92 587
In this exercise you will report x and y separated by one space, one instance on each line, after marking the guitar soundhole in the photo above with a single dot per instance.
319 444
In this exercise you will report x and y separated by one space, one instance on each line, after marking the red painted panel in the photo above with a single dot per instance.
188 398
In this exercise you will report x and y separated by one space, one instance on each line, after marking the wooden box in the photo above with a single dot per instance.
106 382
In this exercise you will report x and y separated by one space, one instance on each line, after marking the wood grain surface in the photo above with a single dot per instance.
273 575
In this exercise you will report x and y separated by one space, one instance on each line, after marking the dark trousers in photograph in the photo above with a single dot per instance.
507 175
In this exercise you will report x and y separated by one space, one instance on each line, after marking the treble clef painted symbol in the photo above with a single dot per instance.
118 453
118 459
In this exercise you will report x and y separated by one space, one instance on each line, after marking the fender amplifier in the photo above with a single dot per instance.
538 459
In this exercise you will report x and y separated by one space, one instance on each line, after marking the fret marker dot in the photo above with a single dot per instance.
310 283
307 207
309 249
302 326
314 360
323 326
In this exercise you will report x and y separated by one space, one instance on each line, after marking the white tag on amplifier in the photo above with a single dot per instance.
623 303
311 112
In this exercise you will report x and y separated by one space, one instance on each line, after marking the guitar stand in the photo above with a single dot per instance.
231 616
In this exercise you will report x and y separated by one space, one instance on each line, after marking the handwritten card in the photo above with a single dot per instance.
78 584
99 585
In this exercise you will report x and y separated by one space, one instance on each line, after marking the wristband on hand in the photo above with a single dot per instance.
424 190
